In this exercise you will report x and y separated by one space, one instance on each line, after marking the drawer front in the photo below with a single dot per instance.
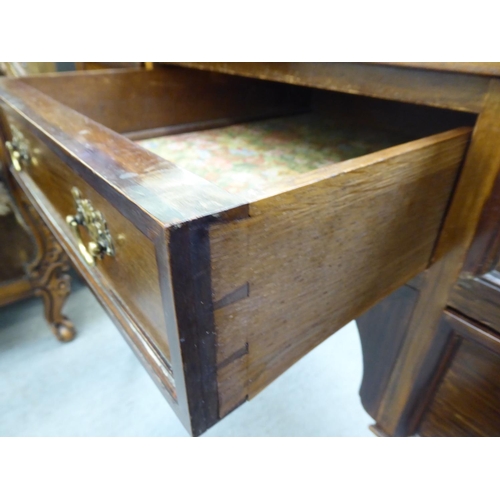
156 285
131 274
467 399
479 299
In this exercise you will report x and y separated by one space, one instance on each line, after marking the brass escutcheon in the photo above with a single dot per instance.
87 216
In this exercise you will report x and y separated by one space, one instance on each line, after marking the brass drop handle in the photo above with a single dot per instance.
93 221
18 154
93 251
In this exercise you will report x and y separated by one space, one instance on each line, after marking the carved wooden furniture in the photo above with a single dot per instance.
32 262
458 388
308 205
15 251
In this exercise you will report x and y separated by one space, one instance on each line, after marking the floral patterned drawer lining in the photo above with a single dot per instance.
249 157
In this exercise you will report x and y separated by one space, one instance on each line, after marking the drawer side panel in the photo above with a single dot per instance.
317 257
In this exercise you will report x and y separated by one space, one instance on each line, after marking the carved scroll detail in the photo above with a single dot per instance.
47 272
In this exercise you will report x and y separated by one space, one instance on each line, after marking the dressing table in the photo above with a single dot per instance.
232 216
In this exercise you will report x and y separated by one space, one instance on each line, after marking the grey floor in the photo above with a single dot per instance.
94 386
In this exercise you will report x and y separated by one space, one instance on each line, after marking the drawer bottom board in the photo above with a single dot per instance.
248 157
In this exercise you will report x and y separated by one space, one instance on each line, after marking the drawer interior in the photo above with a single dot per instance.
246 158
247 136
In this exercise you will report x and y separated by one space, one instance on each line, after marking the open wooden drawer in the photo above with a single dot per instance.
305 208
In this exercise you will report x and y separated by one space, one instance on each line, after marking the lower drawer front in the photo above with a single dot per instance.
131 274
467 400
478 298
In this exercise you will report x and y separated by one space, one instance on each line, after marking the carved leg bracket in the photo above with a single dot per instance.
53 285
47 272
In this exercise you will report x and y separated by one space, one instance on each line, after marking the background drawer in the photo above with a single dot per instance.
467 399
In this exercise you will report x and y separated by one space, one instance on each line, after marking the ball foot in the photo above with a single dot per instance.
65 332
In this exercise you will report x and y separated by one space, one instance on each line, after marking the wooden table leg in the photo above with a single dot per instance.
417 360
48 271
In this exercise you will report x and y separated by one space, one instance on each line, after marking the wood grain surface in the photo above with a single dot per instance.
16 248
132 100
151 192
467 400
473 189
245 290
132 273
190 274
479 299
459 91
484 252
382 330
479 68
317 256
14 290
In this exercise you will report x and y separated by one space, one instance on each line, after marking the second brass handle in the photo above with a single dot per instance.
16 156
86 216
93 251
